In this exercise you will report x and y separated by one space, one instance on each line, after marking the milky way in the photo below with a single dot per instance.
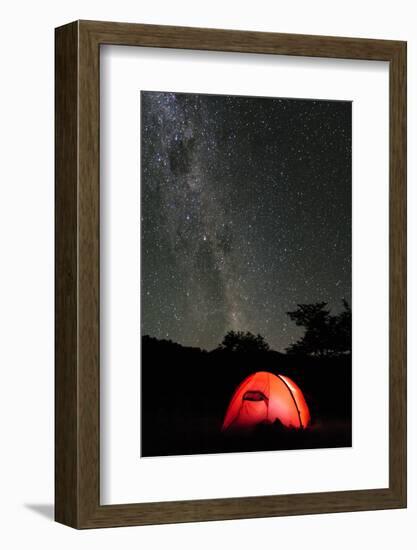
245 212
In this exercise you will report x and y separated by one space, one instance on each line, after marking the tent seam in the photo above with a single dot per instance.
293 398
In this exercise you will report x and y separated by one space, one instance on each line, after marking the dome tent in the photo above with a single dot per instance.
266 397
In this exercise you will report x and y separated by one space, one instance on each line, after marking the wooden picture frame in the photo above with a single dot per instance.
77 373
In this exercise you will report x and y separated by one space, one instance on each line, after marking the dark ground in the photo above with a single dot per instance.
186 392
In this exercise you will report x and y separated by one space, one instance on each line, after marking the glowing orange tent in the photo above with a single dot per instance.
266 397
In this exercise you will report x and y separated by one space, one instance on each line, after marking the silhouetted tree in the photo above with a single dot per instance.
342 338
243 341
325 334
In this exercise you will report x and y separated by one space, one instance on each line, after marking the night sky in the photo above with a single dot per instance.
245 212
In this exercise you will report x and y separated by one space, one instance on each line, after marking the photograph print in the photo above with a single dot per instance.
246 255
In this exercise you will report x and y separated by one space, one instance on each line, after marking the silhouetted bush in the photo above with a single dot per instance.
243 341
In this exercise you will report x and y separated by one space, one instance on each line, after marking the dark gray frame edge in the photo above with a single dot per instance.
77 376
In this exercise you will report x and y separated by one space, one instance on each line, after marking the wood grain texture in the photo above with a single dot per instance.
398 274
66 237
78 286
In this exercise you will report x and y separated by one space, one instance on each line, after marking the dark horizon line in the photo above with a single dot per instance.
198 347
218 347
